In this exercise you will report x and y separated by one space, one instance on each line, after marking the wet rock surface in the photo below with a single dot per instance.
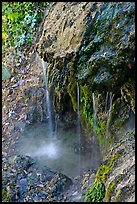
116 173
123 172
25 182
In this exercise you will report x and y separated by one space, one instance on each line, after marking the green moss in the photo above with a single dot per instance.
86 92
104 137
109 190
5 196
105 141
86 104
96 193
71 89
104 169
118 125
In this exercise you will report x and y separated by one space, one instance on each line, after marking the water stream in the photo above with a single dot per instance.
106 103
47 104
78 125
111 96
94 113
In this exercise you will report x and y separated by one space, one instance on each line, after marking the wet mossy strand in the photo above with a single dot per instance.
86 108
72 91
72 85
105 138
97 192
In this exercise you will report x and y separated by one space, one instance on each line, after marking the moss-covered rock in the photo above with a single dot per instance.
116 173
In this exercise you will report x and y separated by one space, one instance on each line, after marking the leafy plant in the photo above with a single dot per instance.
19 22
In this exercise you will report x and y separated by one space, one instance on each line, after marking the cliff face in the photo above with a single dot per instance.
91 44
63 32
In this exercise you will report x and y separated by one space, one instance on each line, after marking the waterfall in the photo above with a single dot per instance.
78 125
106 102
111 96
48 109
94 113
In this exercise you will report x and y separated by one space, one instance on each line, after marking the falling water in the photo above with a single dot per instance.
111 96
94 112
48 109
94 137
78 125
106 102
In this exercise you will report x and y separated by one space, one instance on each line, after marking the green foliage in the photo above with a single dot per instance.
86 92
5 196
19 25
19 22
96 193
87 109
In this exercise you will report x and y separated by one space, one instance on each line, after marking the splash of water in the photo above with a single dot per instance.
48 109
49 150
78 124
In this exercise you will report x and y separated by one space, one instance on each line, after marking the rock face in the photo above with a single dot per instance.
63 32
116 174
91 45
